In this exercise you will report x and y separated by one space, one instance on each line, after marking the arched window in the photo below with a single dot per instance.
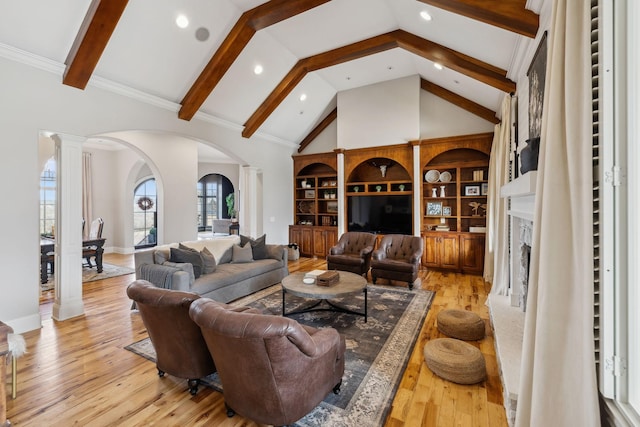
212 190
145 201
48 199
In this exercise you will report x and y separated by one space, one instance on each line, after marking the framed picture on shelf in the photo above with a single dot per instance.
434 209
472 190
446 210
309 194
484 189
332 207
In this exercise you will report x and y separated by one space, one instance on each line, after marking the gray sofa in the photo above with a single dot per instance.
228 282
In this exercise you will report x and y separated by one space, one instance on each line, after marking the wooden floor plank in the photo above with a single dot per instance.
76 372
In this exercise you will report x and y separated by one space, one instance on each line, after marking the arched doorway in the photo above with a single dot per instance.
145 216
213 191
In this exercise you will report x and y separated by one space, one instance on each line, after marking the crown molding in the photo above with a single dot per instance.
57 68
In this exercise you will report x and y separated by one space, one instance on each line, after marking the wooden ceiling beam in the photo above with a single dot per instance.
464 64
318 129
250 22
99 24
510 15
316 62
464 103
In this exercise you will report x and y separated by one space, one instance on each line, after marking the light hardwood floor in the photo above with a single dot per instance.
76 372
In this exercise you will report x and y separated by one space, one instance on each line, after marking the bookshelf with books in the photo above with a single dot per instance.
454 195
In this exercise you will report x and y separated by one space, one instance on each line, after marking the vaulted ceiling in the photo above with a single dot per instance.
308 50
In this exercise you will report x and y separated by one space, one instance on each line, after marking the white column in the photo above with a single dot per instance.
251 205
68 247
342 227
417 187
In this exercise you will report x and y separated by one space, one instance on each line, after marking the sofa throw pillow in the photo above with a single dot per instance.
208 260
190 256
160 256
258 246
184 266
241 254
226 256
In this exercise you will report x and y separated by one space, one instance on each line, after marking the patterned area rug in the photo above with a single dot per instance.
377 351
91 274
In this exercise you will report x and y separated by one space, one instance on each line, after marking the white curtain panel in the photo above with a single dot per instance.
558 377
496 261
87 204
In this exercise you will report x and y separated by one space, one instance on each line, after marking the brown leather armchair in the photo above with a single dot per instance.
352 253
273 370
180 348
397 258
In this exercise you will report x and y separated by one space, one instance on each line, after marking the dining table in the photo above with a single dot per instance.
47 251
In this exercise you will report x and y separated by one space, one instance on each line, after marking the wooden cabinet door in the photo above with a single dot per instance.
449 255
331 239
295 236
430 254
319 243
472 253
306 241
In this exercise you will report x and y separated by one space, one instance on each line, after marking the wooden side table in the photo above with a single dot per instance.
234 228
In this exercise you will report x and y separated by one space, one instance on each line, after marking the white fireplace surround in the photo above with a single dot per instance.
507 316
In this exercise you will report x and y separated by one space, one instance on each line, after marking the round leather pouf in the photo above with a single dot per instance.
461 324
455 361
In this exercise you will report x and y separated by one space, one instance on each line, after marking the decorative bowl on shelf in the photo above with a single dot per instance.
445 176
432 176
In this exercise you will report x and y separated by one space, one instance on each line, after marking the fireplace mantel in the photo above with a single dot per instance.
522 192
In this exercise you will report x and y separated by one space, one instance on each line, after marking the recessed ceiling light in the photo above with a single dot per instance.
303 97
425 15
438 66
258 69
182 21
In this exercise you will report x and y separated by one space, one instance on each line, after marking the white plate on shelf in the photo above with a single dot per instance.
432 176
445 176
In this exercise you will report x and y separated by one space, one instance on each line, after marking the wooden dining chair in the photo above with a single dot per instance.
95 232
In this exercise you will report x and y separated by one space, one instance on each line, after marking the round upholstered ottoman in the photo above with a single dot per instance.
461 324
455 361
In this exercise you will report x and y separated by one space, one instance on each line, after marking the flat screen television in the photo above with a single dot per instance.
383 214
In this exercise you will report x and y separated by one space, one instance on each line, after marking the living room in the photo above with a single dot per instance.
41 106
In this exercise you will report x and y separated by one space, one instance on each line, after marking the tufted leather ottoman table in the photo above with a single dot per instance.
461 324
455 361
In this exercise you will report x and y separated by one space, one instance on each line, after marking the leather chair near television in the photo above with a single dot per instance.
352 252
397 258
273 370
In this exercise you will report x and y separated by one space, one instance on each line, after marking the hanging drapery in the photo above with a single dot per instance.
87 204
558 377
496 261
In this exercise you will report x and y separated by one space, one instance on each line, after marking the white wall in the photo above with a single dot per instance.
436 122
382 114
34 100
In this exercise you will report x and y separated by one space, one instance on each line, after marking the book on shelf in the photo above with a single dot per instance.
442 228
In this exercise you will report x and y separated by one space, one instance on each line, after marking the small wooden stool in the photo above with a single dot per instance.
455 361
461 324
